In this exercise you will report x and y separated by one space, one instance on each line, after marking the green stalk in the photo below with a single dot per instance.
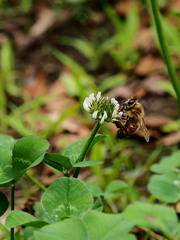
164 48
3 105
86 148
12 208
41 186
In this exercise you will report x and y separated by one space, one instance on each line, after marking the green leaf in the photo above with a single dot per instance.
172 34
6 174
20 218
6 141
113 81
5 232
3 203
7 67
65 230
94 189
165 187
168 88
115 186
177 231
171 126
110 226
74 150
28 233
53 164
57 161
88 163
86 48
66 197
157 218
98 205
80 78
28 152
168 164
92 226
112 187
18 235
39 210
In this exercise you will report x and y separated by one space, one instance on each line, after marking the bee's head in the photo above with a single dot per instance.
128 103
132 101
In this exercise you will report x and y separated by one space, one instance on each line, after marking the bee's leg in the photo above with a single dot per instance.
121 133
118 124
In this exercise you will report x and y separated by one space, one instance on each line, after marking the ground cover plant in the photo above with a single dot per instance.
58 178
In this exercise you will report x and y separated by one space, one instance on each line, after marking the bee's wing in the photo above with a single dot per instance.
143 128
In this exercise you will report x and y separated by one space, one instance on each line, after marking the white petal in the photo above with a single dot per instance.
117 106
114 114
94 115
117 115
91 97
102 120
120 114
103 117
113 100
86 100
107 98
176 182
98 96
85 105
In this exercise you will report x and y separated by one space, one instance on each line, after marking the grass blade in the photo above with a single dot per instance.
164 48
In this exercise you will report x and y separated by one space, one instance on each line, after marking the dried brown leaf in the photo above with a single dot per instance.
149 65
171 139
156 121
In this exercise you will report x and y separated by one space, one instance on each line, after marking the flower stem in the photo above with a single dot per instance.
12 207
41 186
86 148
164 48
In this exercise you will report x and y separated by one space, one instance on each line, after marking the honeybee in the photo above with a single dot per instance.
133 117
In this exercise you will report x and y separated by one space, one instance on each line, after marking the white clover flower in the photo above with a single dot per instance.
102 108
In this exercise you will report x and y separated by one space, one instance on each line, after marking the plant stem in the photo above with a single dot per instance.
12 206
3 105
86 148
164 48
41 186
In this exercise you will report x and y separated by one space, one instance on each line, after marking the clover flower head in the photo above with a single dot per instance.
102 108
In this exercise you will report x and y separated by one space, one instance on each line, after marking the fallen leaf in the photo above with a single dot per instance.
171 139
156 121
145 41
149 65
47 19
122 7
153 84
123 91
36 83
